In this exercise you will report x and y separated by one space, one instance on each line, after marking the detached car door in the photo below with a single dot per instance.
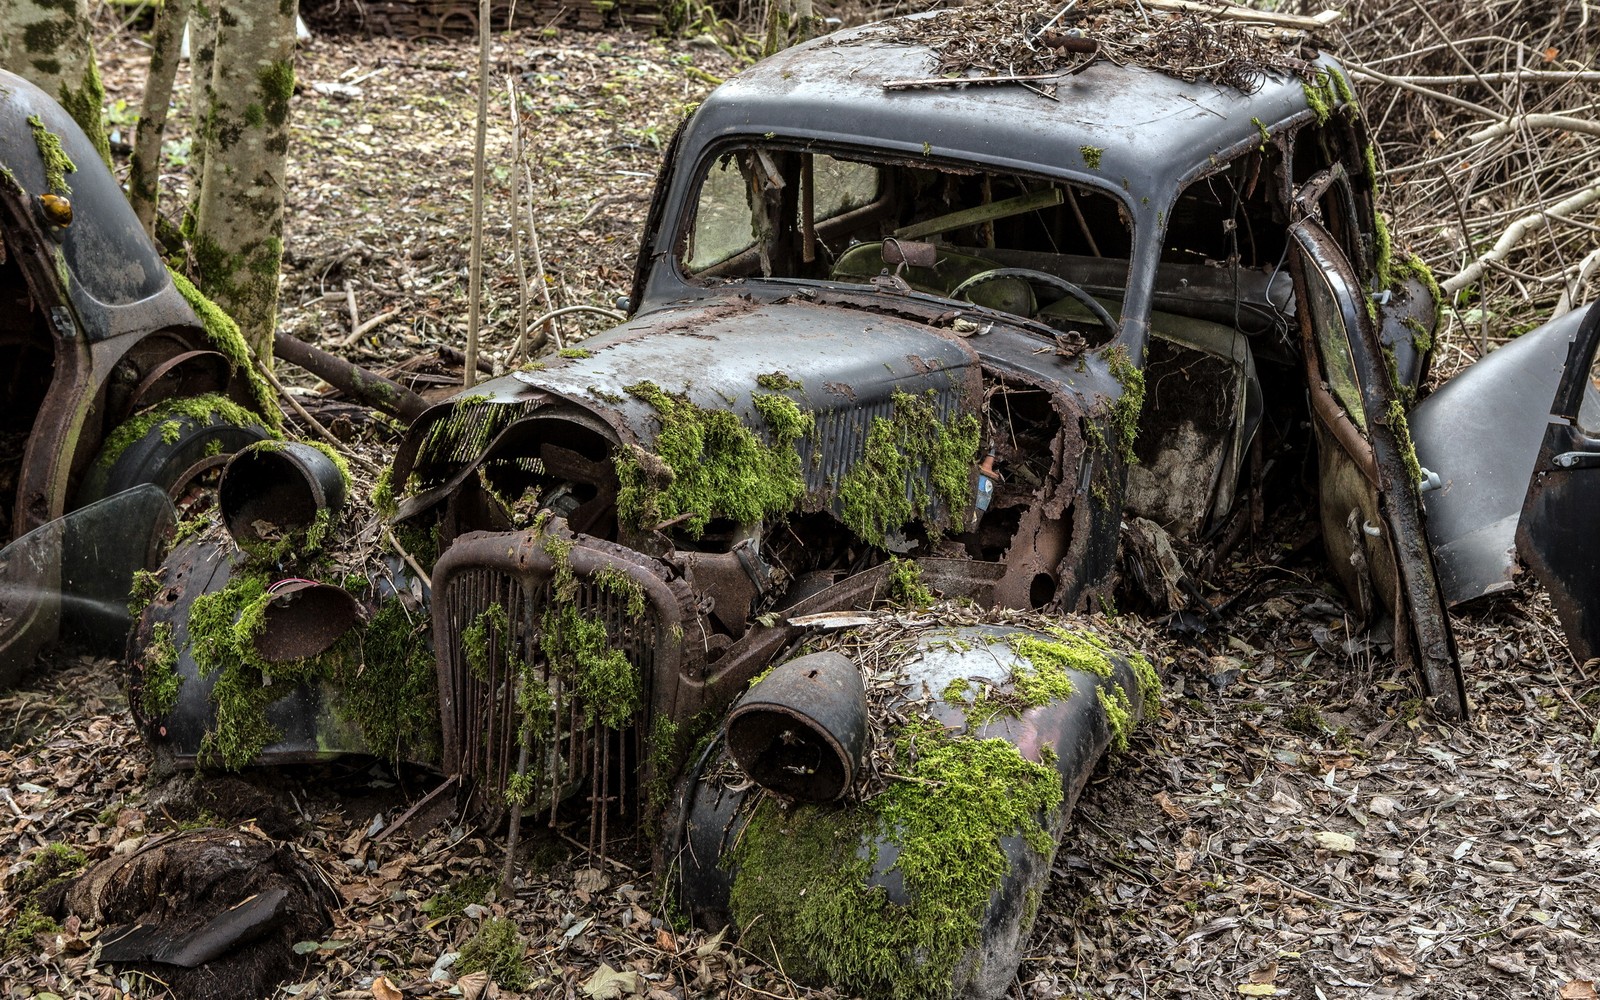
1556 533
1368 479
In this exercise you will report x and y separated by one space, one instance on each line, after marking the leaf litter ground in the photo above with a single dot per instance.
1291 825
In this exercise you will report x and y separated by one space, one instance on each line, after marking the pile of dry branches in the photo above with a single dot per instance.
1487 115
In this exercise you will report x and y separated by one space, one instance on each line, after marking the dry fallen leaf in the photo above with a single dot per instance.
1390 960
382 989
1258 989
1170 807
477 986
1333 841
609 984
1577 989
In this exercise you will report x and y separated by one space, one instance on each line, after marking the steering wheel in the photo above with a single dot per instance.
1044 278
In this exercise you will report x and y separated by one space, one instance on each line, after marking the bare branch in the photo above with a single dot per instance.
1518 122
1515 233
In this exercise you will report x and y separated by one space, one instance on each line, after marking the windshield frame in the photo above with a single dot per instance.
689 172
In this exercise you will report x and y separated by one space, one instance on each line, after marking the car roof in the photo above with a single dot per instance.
1150 130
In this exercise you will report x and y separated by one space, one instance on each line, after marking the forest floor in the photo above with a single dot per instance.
1291 825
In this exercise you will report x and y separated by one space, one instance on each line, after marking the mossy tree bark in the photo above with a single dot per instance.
166 39
47 41
236 231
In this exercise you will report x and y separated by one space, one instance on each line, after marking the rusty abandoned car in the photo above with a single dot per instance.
1017 342
117 375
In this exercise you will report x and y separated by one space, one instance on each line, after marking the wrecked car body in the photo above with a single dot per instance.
1014 348
101 346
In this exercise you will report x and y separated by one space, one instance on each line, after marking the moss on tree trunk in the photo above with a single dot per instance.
47 41
237 225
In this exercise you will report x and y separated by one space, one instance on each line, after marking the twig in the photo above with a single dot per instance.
517 260
1518 122
963 81
1517 76
1514 235
520 158
410 559
1585 268
369 326
1365 72
355 313
313 422
479 168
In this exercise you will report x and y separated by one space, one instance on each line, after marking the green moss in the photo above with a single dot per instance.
1305 720
1402 439
383 498
168 415
452 901
1341 90
1126 408
801 884
338 460
1266 136
277 87
160 680
57 164
487 626
86 105
1119 714
224 335
707 464
905 584
497 949
880 493
27 925
1319 97
464 434
387 684
613 581
601 675
45 869
1091 156
576 353
142 589
778 382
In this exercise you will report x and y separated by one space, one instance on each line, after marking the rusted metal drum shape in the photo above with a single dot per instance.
305 618
800 731
275 489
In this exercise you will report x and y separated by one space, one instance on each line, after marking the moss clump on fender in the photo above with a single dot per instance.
169 414
224 335
706 464
873 495
160 680
801 877
57 164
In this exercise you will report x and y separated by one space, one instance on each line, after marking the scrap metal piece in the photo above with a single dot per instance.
1481 433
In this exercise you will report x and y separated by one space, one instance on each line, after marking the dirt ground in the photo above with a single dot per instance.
1292 825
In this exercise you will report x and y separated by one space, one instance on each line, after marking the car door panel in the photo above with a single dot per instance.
1372 527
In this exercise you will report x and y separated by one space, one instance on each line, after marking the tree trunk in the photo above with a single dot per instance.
144 179
237 235
47 41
